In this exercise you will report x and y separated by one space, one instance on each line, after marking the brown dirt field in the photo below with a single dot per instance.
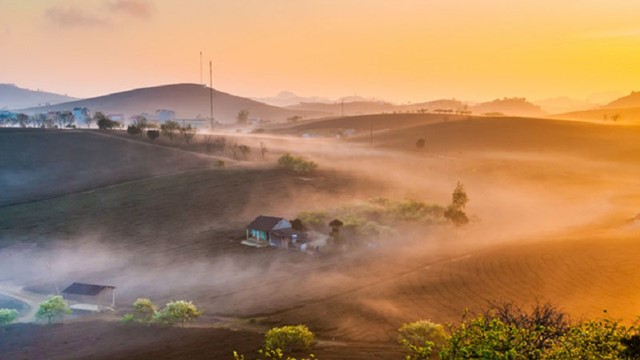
551 203
36 164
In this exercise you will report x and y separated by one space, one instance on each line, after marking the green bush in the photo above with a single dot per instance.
177 312
8 316
419 339
297 164
144 310
54 307
153 134
288 338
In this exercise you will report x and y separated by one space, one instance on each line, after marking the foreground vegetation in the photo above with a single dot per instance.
509 332
177 312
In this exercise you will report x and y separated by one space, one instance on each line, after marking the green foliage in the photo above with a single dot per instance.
177 312
314 219
543 333
485 338
144 310
54 307
288 338
104 122
297 164
128 319
8 316
455 211
153 134
596 339
419 339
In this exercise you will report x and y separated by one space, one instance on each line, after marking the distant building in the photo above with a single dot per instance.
274 231
90 297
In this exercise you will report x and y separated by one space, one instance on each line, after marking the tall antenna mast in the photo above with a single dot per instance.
201 68
211 89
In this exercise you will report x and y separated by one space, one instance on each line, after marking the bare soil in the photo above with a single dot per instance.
552 204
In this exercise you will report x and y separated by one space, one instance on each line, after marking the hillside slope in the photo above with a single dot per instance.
13 97
188 101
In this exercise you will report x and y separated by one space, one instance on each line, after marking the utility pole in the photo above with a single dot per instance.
342 109
201 68
371 131
211 89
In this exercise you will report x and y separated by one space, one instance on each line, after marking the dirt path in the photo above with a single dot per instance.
31 299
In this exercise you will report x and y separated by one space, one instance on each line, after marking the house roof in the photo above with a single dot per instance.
86 289
264 223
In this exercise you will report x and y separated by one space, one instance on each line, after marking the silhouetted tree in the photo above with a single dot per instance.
242 117
455 211
420 143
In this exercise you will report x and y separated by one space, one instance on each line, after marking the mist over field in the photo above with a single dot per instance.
187 180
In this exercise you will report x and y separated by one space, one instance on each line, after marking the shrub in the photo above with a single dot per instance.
133 130
128 319
8 316
220 164
177 312
297 164
288 338
153 134
421 338
420 143
54 307
144 310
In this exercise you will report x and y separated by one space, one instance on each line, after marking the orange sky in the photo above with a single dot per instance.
403 50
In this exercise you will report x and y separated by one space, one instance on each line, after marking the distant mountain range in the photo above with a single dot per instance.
188 101
13 97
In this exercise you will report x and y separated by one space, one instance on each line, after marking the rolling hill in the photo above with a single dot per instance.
13 97
188 101
508 106
630 101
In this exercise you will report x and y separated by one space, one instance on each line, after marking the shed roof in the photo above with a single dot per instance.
86 289
264 223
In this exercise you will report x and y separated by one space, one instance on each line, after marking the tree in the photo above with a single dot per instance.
54 307
455 211
420 143
170 129
298 225
187 133
8 316
242 117
153 134
141 122
288 338
23 120
421 338
104 122
177 312
244 150
335 227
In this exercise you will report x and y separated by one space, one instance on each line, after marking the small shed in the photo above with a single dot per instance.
90 297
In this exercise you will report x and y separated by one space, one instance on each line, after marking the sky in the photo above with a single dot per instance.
401 50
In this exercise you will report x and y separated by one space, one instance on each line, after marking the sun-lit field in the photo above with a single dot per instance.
551 208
